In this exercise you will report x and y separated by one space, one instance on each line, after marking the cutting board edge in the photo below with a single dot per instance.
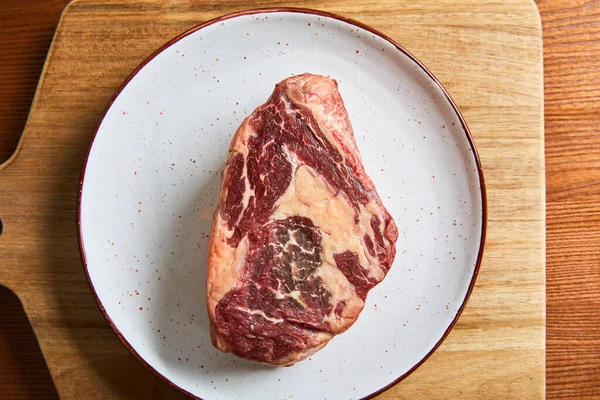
27 131
6 164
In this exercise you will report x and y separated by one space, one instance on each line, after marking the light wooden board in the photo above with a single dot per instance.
488 54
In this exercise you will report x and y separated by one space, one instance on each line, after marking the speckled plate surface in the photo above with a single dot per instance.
151 182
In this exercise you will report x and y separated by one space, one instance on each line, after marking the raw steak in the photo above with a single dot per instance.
300 235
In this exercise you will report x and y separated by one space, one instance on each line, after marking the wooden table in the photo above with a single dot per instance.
572 69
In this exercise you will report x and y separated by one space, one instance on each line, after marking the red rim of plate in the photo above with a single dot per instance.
300 11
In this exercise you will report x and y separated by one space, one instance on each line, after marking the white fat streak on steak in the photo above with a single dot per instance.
300 235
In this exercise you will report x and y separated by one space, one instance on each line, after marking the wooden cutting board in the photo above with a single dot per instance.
488 54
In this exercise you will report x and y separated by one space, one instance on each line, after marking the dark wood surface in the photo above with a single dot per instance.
572 112
23 372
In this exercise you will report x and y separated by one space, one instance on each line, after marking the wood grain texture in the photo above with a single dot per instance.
21 361
19 69
572 73
497 348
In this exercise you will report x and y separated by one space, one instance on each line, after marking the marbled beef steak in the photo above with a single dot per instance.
300 235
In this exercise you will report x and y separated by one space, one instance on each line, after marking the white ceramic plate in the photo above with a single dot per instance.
151 181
